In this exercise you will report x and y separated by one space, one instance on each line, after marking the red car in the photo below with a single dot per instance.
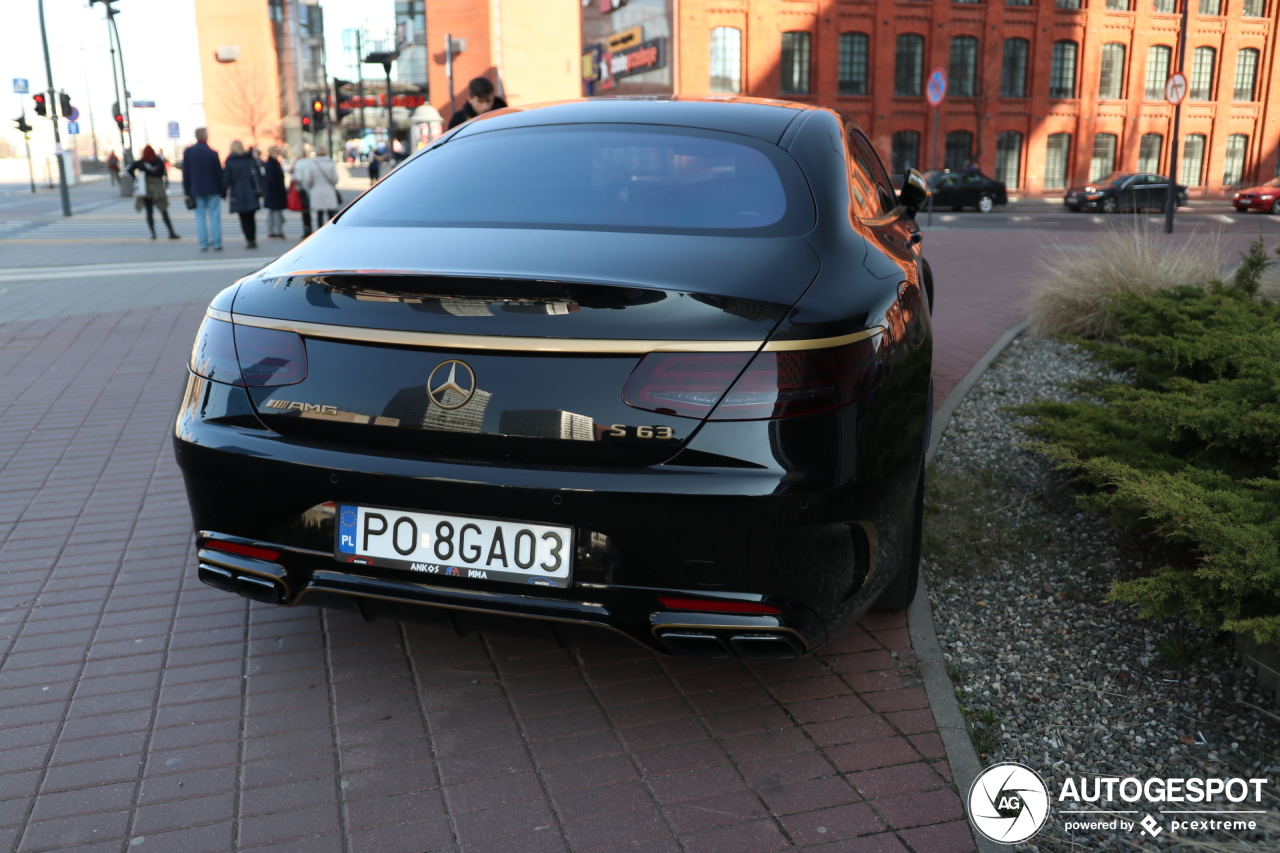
1265 198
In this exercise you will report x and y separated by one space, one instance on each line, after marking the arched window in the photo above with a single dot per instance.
1062 71
1246 74
1103 162
1157 71
1013 71
1149 152
962 80
1202 74
853 63
908 69
959 149
906 151
1111 80
726 59
795 63
1192 173
1008 157
1056 157
1233 166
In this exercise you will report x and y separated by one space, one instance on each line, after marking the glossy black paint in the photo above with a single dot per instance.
958 190
1140 191
806 514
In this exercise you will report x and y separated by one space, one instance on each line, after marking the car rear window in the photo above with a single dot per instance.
602 177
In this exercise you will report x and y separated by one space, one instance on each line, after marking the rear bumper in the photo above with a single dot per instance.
816 535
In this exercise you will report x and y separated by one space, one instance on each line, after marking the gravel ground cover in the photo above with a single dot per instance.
1047 672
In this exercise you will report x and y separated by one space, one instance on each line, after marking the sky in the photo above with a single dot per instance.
158 38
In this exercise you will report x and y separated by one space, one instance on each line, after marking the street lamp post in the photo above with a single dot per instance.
385 58
53 115
1171 201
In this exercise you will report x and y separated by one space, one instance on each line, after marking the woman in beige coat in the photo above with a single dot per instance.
321 182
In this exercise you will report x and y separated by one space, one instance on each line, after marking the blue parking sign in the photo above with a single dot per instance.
73 128
20 85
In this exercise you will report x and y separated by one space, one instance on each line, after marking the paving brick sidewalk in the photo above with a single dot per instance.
142 710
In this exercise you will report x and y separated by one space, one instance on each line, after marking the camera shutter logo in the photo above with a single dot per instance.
1008 803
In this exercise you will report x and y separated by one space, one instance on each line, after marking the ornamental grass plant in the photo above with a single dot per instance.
1185 445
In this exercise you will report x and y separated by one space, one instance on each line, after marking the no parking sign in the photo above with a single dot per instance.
936 90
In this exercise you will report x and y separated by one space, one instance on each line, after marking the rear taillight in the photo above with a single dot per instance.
682 383
242 550
247 355
706 605
801 382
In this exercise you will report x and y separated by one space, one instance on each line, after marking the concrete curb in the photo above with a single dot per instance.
963 758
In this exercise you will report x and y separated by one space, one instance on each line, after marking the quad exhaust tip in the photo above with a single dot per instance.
253 588
756 645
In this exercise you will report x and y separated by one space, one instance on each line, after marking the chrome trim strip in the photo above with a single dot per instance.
215 314
500 342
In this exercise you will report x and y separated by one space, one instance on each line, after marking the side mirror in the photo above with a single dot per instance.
914 193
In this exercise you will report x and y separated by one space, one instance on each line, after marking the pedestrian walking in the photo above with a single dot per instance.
375 165
274 196
322 186
113 167
481 98
204 183
244 189
300 169
154 195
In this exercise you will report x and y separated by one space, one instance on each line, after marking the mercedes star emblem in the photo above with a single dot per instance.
460 379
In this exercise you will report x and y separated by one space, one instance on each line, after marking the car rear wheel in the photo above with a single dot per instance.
986 204
902 589
1275 207
1109 205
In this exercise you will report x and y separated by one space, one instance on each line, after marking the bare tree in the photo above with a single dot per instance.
987 85
248 102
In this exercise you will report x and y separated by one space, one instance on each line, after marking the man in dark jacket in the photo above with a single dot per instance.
204 180
481 99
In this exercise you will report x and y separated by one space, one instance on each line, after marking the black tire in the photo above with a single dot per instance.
1275 207
1109 205
927 275
902 589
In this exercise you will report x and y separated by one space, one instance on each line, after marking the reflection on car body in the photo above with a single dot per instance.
661 366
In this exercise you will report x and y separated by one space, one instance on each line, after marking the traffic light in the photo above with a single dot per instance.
64 102
41 107
21 122
119 116
306 122
317 114
343 112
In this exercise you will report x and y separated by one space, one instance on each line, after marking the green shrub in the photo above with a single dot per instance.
1187 447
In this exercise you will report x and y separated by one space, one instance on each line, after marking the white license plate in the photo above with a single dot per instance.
455 545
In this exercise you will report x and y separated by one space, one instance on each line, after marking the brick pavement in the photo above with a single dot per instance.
143 710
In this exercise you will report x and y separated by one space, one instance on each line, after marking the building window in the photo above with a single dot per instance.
1192 160
1103 162
1067 4
1062 71
1008 157
1149 152
1013 73
1168 6
1210 7
795 63
1202 74
908 70
1157 71
1056 156
959 149
1246 74
1254 9
1017 2
1233 168
726 59
853 63
1111 80
1118 5
964 66
906 151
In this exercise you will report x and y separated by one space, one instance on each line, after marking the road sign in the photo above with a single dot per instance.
75 114
20 85
138 105
1176 89
937 88
173 130
73 128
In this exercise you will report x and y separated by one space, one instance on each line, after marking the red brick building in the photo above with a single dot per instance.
1042 93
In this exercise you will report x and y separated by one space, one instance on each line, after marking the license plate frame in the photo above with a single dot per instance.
355 531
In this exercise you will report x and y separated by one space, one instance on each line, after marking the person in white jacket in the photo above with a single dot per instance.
299 170
321 181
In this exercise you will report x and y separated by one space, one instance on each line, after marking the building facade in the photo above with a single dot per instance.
1041 93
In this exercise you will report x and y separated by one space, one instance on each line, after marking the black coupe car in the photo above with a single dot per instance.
657 365
1123 191
958 190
